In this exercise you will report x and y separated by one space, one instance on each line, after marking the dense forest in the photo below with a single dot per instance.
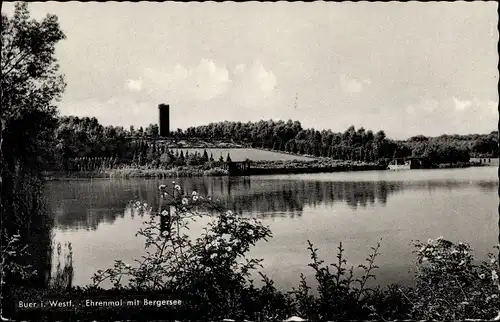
81 139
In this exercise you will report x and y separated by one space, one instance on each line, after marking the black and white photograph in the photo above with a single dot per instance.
250 161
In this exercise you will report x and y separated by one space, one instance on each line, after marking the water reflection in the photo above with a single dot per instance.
293 196
488 186
86 204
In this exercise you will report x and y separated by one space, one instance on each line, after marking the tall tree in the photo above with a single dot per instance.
152 130
30 86
30 82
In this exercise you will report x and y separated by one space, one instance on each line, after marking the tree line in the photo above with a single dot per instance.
83 145
352 144
84 137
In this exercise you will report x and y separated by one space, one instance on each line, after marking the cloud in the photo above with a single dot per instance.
422 107
249 86
255 76
493 107
206 81
352 85
410 109
203 91
266 80
461 105
134 85
118 111
202 82
240 68
429 105
253 86
450 116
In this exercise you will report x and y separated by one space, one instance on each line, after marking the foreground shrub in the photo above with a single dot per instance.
10 252
210 273
343 294
451 285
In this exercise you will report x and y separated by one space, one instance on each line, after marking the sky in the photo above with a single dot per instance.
405 68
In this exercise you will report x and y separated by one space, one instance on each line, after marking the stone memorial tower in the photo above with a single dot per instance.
164 119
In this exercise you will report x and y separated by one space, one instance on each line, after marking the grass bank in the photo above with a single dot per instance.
166 173
136 172
311 166
257 168
261 167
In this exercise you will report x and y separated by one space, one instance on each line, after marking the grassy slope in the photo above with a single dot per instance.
243 153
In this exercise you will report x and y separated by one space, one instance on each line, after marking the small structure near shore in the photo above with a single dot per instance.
410 163
234 168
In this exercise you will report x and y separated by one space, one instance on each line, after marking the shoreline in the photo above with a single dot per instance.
137 172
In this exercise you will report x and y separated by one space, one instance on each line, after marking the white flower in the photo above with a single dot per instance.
494 296
250 233
162 187
173 182
194 193
145 205
482 276
177 187
494 275
228 248
429 241
184 201
164 213
195 198
164 233
138 203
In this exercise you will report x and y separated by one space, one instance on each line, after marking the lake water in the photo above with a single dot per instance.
357 208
